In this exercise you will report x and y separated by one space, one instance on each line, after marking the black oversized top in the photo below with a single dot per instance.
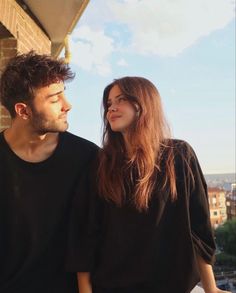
123 247
35 201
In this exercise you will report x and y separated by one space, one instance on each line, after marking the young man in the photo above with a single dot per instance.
40 166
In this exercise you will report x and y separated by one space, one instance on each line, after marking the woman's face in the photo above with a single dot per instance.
121 114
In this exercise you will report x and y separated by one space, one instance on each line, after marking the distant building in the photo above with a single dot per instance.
222 181
231 202
217 203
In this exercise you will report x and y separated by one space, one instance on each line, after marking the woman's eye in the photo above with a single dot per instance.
121 99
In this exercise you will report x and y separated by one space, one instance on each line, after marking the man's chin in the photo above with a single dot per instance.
63 129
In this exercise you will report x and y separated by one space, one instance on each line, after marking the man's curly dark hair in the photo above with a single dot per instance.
28 72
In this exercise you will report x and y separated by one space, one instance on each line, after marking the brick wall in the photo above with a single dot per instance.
8 49
23 28
18 33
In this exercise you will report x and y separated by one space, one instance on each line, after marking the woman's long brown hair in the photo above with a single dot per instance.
132 178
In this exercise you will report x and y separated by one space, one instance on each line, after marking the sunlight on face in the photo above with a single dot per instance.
49 109
121 113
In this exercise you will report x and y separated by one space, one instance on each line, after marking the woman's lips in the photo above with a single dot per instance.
114 117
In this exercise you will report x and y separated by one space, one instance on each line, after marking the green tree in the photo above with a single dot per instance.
226 237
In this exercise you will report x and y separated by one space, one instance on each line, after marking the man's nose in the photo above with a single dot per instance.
66 105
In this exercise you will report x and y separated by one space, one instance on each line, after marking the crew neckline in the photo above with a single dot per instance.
43 162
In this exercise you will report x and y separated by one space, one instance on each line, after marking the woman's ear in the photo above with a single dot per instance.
22 110
137 109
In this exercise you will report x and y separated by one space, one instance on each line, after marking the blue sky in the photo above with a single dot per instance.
185 47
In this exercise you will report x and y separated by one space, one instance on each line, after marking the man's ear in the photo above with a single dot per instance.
22 110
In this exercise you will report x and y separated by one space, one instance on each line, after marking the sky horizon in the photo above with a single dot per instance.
186 48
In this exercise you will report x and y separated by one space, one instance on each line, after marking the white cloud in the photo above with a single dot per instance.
157 27
91 50
172 91
96 14
121 62
167 27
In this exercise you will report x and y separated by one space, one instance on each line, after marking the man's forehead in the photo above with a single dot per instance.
56 86
51 86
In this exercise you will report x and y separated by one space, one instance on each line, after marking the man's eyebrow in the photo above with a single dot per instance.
57 93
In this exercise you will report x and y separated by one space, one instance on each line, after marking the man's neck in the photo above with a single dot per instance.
30 146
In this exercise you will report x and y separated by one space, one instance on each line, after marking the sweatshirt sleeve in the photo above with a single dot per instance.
84 225
202 234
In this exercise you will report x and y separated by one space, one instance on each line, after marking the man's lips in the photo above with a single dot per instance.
64 117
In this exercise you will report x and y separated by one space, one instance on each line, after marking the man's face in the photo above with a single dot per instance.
49 109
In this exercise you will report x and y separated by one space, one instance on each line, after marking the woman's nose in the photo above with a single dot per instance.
112 108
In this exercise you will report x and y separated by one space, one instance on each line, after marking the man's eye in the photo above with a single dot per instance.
54 101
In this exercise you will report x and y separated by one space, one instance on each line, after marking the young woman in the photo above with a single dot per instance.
143 226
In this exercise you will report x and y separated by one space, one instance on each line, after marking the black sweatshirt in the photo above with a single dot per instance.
154 250
34 207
